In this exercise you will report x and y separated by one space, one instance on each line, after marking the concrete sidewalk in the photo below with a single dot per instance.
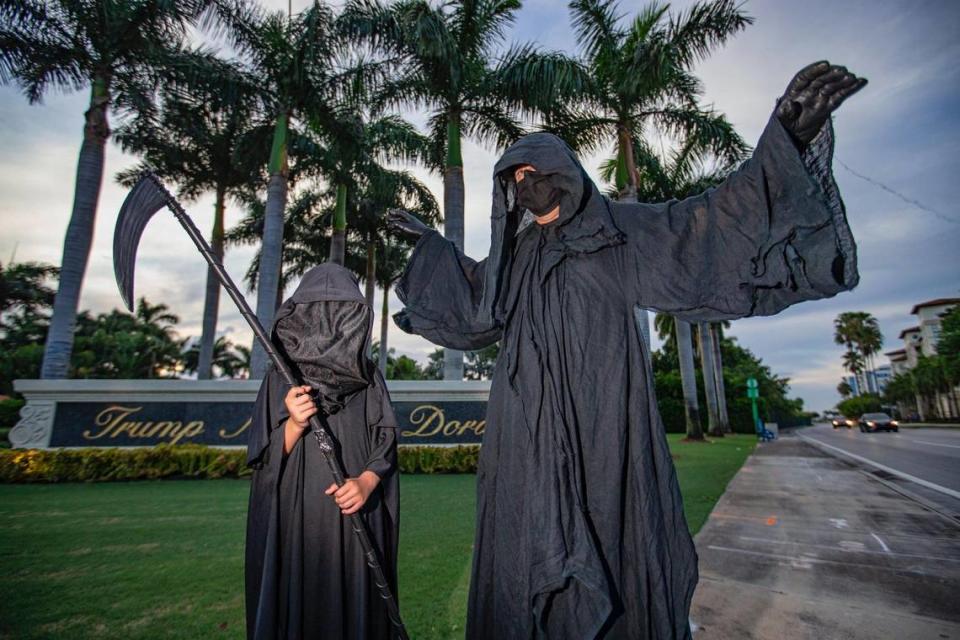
804 545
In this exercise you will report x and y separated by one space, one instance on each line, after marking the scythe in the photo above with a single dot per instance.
146 198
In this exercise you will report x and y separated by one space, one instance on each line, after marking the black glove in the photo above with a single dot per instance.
405 224
403 322
813 94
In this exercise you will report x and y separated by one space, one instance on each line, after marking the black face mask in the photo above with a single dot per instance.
537 193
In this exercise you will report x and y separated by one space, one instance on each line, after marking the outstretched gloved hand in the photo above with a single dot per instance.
813 94
402 321
405 224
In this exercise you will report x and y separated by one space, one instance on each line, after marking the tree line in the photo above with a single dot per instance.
301 129
301 126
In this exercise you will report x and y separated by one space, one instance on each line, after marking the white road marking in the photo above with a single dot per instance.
839 523
883 467
848 543
851 545
882 543
937 444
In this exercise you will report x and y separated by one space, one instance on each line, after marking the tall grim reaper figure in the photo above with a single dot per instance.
580 526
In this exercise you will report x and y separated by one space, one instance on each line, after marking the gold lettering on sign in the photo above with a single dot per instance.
225 434
430 420
113 423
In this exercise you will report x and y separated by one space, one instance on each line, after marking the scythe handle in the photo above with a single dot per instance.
324 439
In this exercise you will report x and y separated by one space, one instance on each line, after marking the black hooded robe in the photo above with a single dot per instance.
305 572
580 525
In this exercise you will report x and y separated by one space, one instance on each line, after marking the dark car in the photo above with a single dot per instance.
870 422
841 421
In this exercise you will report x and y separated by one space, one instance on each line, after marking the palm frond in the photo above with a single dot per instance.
693 34
595 25
491 125
535 82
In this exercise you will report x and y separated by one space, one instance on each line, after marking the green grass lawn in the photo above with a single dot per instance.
164 559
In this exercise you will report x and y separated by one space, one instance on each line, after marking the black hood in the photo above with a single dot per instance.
584 226
323 332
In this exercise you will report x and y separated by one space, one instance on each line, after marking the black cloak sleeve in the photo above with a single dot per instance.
773 234
269 412
382 459
441 290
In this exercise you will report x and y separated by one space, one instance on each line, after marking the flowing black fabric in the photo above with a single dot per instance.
580 524
305 572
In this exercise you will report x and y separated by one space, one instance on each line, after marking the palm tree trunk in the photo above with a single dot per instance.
370 285
627 185
371 276
453 222
710 389
211 302
628 191
384 326
688 378
79 236
268 278
721 387
338 243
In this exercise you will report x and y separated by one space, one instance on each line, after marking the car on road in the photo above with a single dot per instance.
870 422
841 421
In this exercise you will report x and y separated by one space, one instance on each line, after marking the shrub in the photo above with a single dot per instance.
859 405
186 461
460 459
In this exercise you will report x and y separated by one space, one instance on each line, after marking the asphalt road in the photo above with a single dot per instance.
931 455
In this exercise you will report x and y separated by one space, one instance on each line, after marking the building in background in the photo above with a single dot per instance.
921 341
875 381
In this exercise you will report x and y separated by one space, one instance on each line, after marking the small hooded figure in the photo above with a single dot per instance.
580 531
306 576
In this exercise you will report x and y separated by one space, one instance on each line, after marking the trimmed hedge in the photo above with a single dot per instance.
186 461
459 459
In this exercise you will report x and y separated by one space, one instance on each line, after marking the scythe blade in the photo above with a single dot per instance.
145 199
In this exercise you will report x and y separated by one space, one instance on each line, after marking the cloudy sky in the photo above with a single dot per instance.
901 131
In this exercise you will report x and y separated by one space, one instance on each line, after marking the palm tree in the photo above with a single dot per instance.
675 330
715 329
708 363
844 389
115 48
386 257
446 51
23 285
871 342
202 139
639 74
859 331
701 160
306 238
385 189
853 362
688 379
122 345
348 152
295 62
228 361
389 268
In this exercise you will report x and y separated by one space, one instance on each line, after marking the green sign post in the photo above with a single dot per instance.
753 392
